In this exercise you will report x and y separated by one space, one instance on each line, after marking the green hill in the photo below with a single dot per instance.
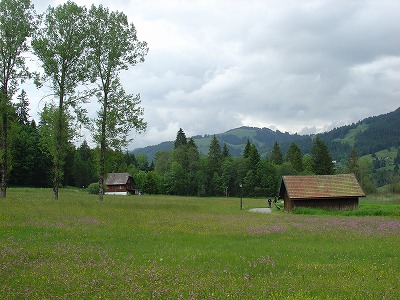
368 136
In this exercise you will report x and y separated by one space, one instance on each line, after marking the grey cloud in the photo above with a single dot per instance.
297 66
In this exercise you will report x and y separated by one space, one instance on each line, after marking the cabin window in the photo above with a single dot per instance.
120 187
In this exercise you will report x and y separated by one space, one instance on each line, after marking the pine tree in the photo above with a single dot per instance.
254 158
85 166
294 157
322 161
191 143
181 139
246 151
22 109
215 155
276 155
225 151
214 166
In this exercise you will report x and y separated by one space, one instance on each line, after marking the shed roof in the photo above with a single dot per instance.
117 178
321 186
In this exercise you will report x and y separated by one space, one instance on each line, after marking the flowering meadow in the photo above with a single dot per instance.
165 247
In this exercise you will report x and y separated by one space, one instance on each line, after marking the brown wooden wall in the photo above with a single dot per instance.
116 188
334 203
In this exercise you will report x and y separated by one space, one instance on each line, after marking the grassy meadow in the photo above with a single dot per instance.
165 247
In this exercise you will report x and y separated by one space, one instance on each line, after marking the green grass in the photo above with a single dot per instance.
350 137
164 247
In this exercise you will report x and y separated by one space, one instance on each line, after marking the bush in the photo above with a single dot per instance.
93 188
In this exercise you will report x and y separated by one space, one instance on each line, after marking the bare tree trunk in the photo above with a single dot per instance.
101 178
4 150
102 161
102 169
4 165
56 177
58 156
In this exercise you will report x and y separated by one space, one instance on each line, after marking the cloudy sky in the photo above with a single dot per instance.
296 66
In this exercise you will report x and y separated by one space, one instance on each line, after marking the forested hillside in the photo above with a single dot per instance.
367 136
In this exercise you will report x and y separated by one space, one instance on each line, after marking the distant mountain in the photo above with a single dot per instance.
367 136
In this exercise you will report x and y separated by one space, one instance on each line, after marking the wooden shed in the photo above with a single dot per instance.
321 191
120 184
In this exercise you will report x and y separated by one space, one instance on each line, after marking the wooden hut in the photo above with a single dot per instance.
321 191
120 184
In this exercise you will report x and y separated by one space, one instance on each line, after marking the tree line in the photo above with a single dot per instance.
81 53
183 171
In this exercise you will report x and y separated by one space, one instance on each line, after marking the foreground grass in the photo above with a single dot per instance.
189 248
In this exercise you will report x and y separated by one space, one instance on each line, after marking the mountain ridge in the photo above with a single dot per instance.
367 136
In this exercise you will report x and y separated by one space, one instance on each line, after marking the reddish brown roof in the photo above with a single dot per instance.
321 186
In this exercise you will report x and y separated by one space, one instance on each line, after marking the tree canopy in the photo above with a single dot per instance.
16 26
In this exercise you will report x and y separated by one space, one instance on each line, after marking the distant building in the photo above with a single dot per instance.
121 184
339 192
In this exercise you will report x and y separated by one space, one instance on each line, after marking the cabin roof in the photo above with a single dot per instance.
321 186
117 178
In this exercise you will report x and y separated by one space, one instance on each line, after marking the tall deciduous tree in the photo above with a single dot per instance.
15 27
61 44
114 47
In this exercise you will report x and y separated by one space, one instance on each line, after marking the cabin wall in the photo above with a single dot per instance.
334 204
288 204
116 188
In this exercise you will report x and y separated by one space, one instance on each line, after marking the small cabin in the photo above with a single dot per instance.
121 184
337 192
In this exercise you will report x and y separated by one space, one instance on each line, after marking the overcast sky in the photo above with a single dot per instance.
296 66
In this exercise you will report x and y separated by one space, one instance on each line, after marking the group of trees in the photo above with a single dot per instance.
82 53
182 170
32 165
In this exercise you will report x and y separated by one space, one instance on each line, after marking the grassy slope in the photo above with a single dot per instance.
191 248
350 137
203 144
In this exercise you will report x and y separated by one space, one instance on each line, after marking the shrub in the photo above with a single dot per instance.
93 188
